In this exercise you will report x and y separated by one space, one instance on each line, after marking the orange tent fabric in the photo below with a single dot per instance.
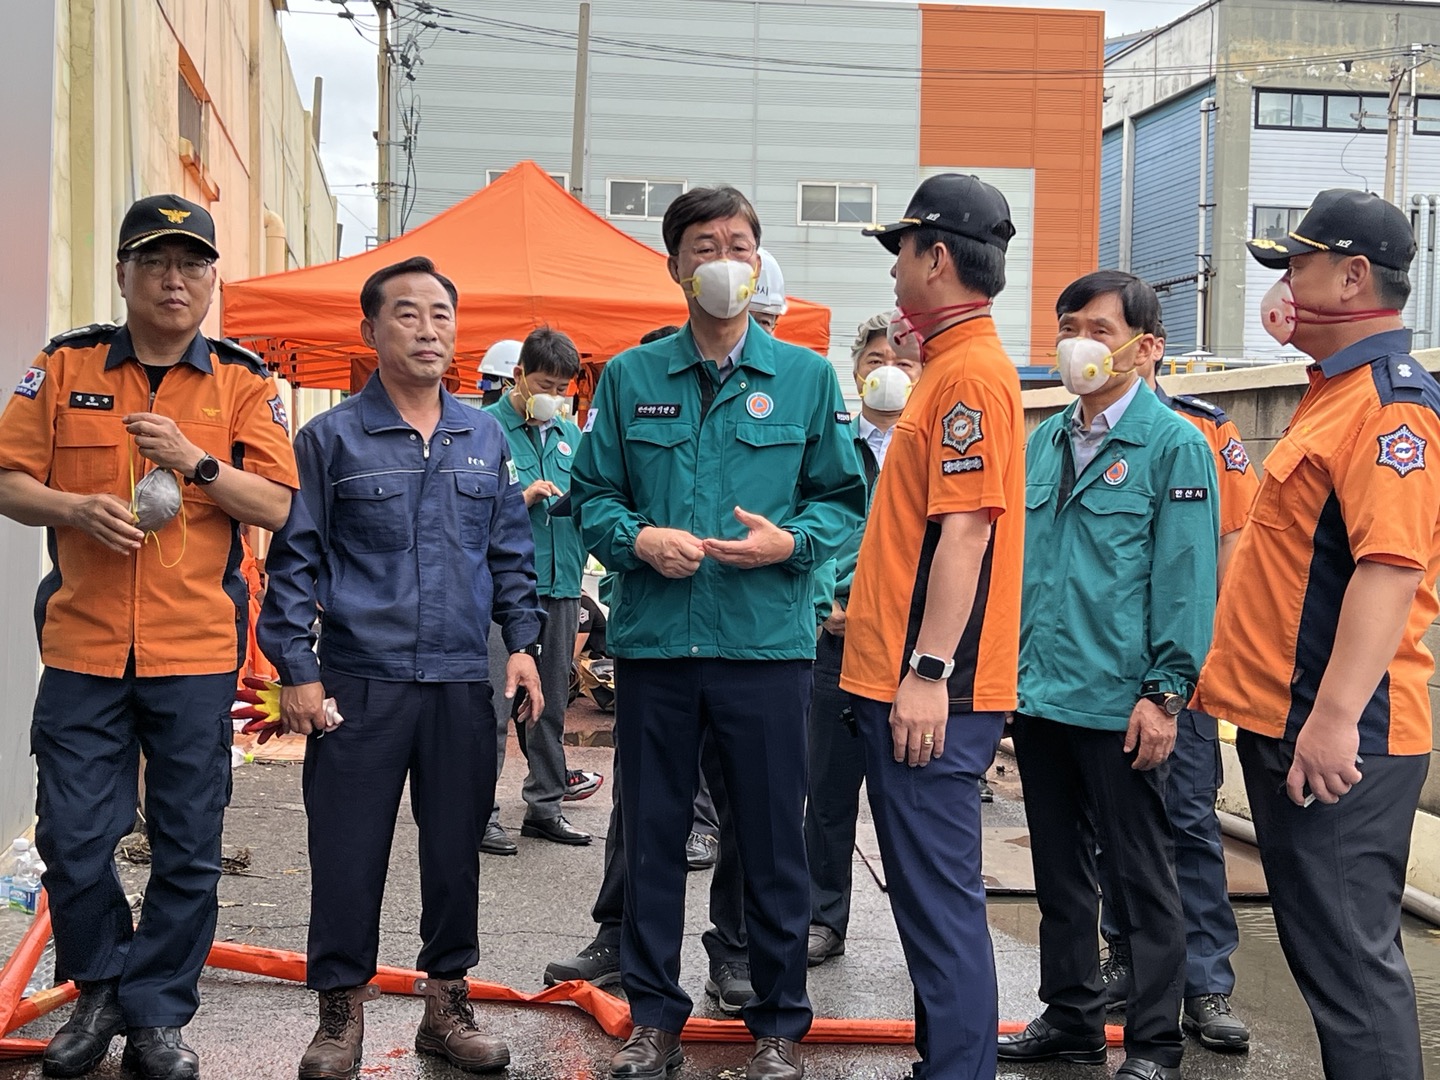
522 252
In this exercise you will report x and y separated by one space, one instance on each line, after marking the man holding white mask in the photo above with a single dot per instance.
535 414
837 756
718 472
1122 527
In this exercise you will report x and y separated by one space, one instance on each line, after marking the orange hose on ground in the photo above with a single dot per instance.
18 1048
37 1005
21 965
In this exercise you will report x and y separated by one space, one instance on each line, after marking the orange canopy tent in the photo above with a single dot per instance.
522 253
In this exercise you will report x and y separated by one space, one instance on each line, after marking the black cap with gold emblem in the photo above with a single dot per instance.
1343 221
166 216
955 203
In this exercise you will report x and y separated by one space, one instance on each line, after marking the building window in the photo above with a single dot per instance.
1276 222
1427 116
1306 111
563 179
836 204
642 200
192 120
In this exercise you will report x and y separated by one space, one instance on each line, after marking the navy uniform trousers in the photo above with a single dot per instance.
725 940
837 769
1337 874
86 737
1211 935
754 711
928 824
440 735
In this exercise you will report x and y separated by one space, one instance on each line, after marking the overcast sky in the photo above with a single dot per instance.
343 53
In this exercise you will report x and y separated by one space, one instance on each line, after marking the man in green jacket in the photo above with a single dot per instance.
1121 528
543 442
718 472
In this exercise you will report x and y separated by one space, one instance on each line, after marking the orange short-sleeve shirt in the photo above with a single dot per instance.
1354 478
63 426
1238 482
958 447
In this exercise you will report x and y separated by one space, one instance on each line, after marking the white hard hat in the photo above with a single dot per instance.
501 359
769 296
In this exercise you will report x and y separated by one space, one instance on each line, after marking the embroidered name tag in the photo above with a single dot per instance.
843 418
91 401
1189 494
648 410
962 465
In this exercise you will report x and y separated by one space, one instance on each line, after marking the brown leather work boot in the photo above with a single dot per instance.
775 1059
334 1052
649 1054
449 1029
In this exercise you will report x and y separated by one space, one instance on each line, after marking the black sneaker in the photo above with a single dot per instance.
1115 971
597 964
580 784
987 793
729 984
1208 1019
701 851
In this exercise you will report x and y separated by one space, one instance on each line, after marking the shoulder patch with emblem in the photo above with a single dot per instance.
232 352
1402 450
962 428
278 413
30 383
514 472
1234 456
82 337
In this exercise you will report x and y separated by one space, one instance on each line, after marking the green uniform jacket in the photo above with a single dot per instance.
559 555
776 441
1119 580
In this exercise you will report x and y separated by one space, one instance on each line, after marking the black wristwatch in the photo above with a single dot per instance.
532 651
1168 703
207 470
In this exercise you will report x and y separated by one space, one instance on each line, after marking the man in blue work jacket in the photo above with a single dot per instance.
409 533
543 440
717 473
1121 527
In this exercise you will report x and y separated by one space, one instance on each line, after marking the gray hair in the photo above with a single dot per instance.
876 324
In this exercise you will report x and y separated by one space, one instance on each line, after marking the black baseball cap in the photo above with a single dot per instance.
162 216
1344 222
956 203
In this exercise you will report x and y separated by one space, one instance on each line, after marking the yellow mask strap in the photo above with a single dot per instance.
152 535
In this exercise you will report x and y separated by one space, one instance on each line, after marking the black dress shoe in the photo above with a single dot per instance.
85 1039
1141 1069
497 841
555 829
702 851
775 1059
159 1053
649 1054
1041 1042
822 944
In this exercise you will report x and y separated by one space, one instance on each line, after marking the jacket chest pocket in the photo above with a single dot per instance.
372 514
1119 520
475 495
776 449
1276 503
89 451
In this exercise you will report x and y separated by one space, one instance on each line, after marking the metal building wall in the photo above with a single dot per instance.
1112 180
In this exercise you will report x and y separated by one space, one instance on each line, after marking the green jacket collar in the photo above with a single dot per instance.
757 356
1133 428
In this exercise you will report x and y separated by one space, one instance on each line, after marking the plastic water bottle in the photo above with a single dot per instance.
25 881
12 860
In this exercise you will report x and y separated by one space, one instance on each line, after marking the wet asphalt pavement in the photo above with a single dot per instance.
535 908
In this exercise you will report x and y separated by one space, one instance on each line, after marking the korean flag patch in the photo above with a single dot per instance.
31 382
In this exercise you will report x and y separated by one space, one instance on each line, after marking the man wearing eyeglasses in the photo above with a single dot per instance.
141 632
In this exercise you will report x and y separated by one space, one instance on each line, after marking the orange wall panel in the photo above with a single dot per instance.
1020 88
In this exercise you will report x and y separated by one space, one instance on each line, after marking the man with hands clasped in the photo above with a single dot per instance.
1122 528
717 473
408 534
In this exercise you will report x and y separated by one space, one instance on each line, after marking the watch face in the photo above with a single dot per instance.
208 470
930 667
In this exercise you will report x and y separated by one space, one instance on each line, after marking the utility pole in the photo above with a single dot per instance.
1392 129
382 133
582 82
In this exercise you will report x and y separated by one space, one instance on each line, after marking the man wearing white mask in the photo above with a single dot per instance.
535 414
718 472
837 756
1121 531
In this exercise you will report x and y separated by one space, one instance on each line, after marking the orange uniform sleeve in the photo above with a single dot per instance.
262 425
1389 487
1238 482
970 449
27 427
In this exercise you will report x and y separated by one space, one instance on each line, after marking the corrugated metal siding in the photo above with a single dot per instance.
1112 165
1167 192
1287 168
488 102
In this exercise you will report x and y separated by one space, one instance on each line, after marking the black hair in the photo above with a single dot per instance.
549 352
980 266
699 205
1137 299
659 334
372 293
1392 286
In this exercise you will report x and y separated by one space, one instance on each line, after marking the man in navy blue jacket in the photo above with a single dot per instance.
409 534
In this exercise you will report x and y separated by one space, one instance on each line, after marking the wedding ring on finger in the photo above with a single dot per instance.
927 738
